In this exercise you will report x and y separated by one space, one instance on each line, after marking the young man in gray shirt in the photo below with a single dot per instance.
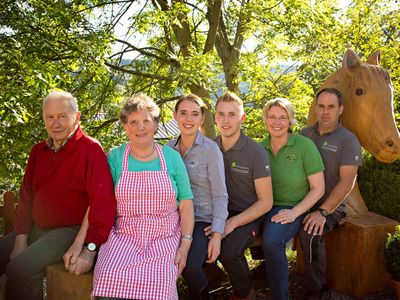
341 153
249 188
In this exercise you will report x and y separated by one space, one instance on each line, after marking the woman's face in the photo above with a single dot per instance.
140 128
277 122
189 117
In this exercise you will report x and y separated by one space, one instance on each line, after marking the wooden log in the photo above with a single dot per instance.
355 262
61 285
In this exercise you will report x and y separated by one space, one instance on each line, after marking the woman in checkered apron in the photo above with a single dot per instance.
148 245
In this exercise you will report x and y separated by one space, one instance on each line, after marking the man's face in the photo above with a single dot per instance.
328 111
228 117
59 119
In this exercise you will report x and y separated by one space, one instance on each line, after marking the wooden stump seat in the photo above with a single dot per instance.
61 285
354 251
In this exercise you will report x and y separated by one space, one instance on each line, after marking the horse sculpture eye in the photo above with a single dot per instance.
359 92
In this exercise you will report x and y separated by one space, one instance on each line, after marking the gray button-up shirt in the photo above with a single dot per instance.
205 166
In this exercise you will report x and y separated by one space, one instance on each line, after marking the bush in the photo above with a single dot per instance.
392 254
379 185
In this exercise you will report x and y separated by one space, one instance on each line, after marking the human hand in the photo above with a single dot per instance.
207 231
214 247
72 254
180 259
314 223
230 225
84 262
284 216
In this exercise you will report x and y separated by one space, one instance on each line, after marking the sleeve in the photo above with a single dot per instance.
114 161
216 173
261 167
312 160
24 218
181 177
351 152
101 196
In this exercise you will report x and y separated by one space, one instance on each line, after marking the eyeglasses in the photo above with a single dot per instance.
275 118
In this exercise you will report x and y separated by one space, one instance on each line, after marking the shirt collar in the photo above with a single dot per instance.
267 142
69 143
240 143
338 127
199 140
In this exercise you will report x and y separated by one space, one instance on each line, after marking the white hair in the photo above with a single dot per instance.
62 94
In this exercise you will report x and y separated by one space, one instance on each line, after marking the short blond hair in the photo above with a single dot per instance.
286 105
230 97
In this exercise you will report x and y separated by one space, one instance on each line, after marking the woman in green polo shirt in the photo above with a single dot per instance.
297 183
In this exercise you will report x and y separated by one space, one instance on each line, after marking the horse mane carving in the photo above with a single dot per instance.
368 111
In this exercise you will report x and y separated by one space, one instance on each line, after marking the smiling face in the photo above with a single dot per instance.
328 111
60 119
228 117
189 118
140 128
277 122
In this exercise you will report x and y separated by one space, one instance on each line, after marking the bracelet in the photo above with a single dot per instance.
187 237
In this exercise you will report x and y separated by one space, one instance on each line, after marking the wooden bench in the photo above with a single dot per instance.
7 212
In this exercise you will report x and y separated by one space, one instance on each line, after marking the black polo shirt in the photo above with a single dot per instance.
244 162
339 147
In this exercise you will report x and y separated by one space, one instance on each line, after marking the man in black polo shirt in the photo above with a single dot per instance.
249 188
341 153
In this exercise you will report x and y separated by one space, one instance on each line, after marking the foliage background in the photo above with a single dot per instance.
103 51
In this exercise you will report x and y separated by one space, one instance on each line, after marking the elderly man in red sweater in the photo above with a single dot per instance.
66 174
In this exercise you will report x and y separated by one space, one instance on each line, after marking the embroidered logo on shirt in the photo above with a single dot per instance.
291 158
239 169
326 146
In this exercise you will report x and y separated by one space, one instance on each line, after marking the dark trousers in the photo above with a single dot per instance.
25 271
314 251
233 259
275 238
194 274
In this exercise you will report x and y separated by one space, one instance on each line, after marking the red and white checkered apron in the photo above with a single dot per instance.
137 261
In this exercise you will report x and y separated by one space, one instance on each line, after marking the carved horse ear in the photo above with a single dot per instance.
351 60
375 58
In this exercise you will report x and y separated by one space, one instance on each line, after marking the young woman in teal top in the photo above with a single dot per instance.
297 184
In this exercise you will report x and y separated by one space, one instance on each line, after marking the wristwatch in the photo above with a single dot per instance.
92 247
323 212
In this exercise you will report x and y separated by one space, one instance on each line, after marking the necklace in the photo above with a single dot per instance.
143 156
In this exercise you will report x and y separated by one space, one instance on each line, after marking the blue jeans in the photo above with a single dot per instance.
194 274
275 237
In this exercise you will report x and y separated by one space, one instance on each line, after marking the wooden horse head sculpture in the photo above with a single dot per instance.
368 110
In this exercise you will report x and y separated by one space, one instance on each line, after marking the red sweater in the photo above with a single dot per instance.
59 186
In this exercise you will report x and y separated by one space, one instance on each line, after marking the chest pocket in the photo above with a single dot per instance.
196 170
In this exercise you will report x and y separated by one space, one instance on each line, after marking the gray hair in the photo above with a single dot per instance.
286 105
62 94
139 102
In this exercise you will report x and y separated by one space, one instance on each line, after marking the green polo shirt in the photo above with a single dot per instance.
297 160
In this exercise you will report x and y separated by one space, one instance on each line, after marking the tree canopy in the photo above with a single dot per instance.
103 51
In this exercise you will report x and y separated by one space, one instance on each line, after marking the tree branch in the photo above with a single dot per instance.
213 17
138 73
